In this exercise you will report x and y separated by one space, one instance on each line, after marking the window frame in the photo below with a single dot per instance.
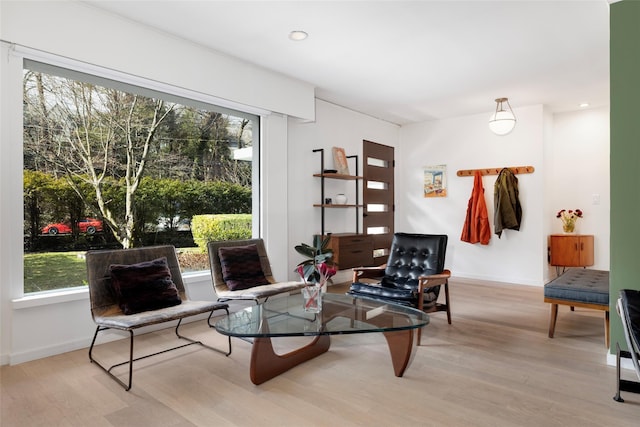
65 67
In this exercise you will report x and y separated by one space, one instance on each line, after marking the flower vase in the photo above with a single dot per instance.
323 288
569 228
341 199
312 299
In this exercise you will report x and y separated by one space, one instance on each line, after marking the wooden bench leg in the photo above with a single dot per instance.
592 306
552 320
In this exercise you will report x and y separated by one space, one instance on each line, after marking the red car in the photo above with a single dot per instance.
86 225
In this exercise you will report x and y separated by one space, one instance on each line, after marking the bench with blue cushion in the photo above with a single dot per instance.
579 287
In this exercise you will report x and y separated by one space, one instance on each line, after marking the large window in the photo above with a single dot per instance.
110 164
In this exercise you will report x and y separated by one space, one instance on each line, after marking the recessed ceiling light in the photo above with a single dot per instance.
584 105
298 35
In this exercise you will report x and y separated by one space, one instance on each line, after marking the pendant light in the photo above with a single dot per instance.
502 121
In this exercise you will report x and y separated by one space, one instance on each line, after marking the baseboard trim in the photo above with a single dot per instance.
624 363
39 353
105 337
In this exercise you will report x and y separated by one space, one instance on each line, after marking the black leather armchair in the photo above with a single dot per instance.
413 274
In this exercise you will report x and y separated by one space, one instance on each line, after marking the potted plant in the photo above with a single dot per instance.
318 267
316 271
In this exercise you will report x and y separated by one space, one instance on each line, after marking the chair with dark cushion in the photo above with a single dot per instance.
240 270
413 274
133 288
628 306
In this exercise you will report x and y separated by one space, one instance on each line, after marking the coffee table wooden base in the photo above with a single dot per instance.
401 348
267 364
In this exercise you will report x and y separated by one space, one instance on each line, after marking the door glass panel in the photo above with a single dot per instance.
377 208
377 185
372 161
377 230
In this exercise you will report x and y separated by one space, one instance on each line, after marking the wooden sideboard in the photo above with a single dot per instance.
571 250
352 250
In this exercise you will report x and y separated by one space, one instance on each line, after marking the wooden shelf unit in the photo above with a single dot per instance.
337 206
349 249
338 175
323 176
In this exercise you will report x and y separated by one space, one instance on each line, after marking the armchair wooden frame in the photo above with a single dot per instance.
424 282
107 314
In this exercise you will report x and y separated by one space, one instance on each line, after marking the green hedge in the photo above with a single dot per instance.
49 199
209 228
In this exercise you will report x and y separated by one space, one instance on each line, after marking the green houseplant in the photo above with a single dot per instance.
318 266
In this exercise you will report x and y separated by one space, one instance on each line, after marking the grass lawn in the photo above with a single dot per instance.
59 270
54 270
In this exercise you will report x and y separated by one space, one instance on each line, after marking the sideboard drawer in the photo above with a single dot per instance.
352 250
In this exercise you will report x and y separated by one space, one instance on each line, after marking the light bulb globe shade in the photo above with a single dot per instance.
502 122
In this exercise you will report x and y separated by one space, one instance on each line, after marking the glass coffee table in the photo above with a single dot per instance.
341 314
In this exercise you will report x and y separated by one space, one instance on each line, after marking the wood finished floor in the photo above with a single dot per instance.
494 366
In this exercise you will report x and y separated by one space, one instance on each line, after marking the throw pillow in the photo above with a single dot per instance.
241 268
144 286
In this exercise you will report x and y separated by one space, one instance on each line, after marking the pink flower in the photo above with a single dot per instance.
322 273
325 271
300 271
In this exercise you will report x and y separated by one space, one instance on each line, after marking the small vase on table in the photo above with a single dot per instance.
312 299
569 228
569 218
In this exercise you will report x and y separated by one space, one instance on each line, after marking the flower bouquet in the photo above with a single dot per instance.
569 218
312 293
316 271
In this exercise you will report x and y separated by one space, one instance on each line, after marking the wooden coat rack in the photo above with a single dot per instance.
496 171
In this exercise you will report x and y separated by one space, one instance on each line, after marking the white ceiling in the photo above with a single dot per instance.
408 61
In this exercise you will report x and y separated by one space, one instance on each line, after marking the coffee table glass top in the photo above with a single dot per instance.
341 314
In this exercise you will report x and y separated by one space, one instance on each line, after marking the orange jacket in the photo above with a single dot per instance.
476 225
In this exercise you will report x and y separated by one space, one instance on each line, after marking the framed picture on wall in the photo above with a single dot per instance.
435 181
340 161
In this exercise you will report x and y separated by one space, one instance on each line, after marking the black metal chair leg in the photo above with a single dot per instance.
624 385
192 341
130 361
127 386
617 397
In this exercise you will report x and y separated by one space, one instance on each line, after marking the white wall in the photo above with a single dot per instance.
467 143
578 172
77 30
334 126
72 32
570 153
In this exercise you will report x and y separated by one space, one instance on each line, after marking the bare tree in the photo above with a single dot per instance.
96 136
94 132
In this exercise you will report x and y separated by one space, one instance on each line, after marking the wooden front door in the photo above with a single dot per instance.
378 197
